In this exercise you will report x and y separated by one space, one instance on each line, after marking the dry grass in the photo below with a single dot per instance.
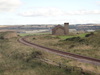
82 49
71 62
74 47
14 55
13 60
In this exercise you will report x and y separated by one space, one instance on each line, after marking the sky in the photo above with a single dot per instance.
18 12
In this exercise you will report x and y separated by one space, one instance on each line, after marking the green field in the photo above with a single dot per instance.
62 37
68 36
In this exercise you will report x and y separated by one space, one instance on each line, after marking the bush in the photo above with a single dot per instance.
2 37
48 37
33 55
71 46
88 35
34 38
36 54
75 39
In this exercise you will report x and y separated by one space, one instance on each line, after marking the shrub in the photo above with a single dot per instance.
34 38
48 37
36 54
33 55
2 37
88 35
71 46
75 39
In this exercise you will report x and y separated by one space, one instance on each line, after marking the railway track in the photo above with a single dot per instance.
61 53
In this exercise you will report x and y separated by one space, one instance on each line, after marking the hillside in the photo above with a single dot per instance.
19 59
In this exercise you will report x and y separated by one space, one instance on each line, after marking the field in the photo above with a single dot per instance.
19 59
70 36
79 44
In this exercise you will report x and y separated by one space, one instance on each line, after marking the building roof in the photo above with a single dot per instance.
58 26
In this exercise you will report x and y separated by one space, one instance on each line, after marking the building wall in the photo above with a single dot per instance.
59 31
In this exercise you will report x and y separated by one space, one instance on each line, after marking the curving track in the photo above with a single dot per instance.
61 53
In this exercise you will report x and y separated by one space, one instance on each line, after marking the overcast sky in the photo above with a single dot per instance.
49 11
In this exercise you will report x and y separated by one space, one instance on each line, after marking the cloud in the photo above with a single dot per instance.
84 12
43 12
9 5
98 2
56 12
74 21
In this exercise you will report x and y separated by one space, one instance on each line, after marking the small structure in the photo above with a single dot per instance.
60 30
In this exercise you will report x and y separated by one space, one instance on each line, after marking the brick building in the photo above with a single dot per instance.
61 30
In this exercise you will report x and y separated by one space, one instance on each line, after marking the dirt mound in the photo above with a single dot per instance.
10 35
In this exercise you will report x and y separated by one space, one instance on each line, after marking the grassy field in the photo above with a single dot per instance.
86 46
19 59
62 37
70 36
79 44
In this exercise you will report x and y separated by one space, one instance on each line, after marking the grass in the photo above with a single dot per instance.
61 37
19 59
68 36
79 45
86 46
82 35
13 61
